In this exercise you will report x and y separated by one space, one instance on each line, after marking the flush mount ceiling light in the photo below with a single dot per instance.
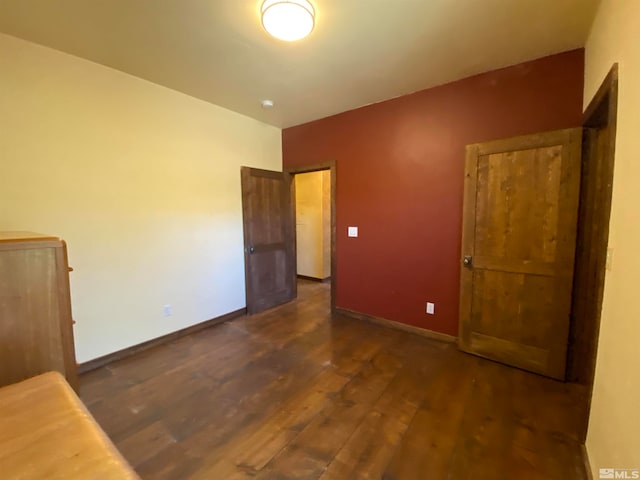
288 20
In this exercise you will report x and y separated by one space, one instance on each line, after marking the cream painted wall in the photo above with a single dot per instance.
613 440
326 223
312 224
141 181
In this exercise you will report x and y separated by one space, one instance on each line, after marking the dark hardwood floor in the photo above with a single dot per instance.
293 393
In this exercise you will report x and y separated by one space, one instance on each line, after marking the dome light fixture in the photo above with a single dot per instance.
288 20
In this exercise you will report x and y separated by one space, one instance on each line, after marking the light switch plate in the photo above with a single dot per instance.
431 308
352 231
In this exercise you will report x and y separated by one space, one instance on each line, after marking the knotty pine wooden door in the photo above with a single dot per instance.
518 248
269 238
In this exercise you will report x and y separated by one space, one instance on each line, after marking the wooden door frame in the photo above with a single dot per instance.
318 167
601 112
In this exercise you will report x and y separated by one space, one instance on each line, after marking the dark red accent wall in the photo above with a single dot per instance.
400 167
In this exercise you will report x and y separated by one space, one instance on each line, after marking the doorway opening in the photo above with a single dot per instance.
313 225
313 197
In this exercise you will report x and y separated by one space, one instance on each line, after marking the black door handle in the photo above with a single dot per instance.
251 250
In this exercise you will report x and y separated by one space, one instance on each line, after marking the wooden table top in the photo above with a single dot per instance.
47 433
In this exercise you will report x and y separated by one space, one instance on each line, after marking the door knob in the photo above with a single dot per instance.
467 261
251 249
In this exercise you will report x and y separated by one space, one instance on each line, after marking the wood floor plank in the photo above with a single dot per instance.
368 451
296 393
544 421
250 452
146 443
427 447
487 428
317 444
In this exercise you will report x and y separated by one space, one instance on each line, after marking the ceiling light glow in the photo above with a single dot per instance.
288 20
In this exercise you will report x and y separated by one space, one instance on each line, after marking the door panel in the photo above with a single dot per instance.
519 228
517 205
268 238
516 297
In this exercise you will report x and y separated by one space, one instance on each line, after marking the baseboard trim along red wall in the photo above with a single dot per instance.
399 167
423 332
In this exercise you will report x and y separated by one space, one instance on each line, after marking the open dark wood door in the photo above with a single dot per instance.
269 238
518 248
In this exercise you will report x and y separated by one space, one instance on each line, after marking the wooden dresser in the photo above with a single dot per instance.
36 329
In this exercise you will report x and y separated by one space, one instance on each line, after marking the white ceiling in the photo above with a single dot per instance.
361 51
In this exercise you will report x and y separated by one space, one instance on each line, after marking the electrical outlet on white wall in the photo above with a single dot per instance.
167 310
431 308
